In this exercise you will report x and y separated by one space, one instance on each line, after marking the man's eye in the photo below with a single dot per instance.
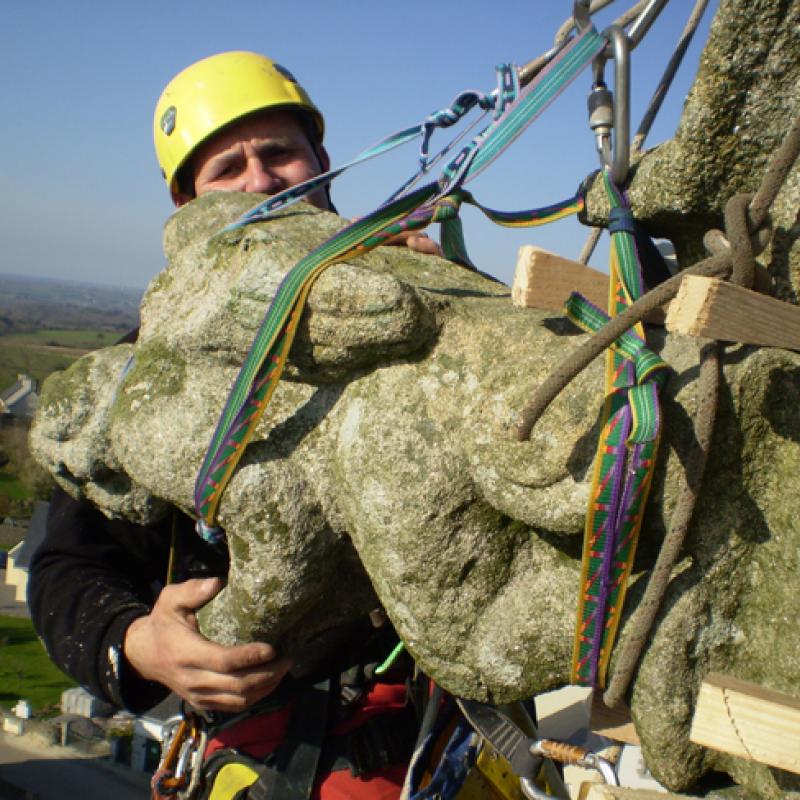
277 154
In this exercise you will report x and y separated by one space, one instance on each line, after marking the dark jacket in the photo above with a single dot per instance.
92 576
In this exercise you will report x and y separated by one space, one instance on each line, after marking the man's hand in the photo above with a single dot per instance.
166 646
418 242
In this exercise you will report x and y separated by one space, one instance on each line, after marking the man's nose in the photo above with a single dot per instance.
262 179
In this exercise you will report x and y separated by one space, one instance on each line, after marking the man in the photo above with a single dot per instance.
233 122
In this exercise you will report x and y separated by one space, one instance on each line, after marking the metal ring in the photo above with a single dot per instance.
532 791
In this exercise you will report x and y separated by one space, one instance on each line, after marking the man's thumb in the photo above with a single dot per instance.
195 593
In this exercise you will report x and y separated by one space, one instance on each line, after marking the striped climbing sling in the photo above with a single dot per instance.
625 456
514 110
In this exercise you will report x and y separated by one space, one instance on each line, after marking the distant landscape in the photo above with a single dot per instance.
45 324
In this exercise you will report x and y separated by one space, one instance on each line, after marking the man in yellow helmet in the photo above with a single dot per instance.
237 122
240 122
232 122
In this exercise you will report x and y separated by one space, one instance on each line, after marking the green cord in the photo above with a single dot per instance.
391 658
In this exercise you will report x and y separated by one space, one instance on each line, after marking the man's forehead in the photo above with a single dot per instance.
263 125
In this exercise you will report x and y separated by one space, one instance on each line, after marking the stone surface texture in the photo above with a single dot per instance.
386 465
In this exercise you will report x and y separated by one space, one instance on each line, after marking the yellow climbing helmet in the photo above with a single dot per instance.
214 92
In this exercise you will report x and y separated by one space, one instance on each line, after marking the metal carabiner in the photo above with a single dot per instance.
572 754
185 737
531 791
603 766
184 759
609 111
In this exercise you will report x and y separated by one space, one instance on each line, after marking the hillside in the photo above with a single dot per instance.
45 323
31 304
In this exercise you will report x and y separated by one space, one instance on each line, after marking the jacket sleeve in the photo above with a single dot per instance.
89 579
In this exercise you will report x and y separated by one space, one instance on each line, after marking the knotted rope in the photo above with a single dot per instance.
718 265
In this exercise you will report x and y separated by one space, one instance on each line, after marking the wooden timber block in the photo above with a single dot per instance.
717 309
602 791
545 280
613 723
748 721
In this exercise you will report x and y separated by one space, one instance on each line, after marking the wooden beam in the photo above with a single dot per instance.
716 309
748 721
601 791
545 280
613 723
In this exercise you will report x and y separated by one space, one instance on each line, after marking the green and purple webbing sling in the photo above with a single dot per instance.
625 456
513 109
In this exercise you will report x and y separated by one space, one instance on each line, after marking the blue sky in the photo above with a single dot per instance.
82 198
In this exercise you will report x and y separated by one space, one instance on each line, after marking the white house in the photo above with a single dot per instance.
20 399
19 556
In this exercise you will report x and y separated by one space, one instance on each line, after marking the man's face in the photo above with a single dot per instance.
266 153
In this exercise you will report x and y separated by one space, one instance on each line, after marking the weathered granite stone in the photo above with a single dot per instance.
386 466
75 415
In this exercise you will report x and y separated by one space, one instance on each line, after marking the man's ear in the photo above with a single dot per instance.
181 198
324 158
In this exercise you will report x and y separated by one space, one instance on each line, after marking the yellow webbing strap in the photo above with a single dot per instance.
230 779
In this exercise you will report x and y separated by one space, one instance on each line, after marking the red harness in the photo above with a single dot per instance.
260 735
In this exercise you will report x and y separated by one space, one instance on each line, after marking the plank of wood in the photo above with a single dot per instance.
748 721
545 280
614 723
602 791
716 309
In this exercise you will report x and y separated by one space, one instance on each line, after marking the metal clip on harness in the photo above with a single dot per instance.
609 111
178 774
566 754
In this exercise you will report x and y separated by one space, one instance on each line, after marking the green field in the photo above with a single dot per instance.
25 668
30 353
16 359
12 487
87 339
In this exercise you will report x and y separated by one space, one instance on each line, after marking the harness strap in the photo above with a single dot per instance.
625 459
379 742
297 758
